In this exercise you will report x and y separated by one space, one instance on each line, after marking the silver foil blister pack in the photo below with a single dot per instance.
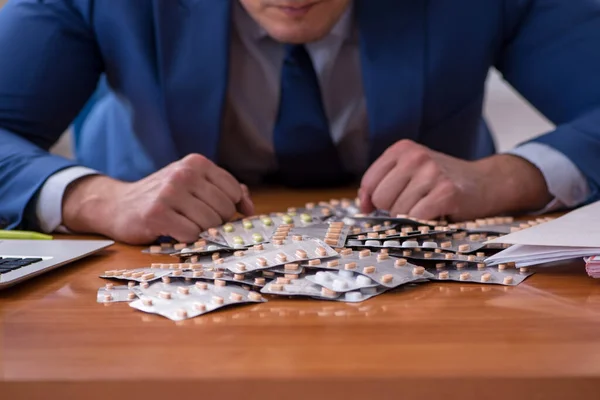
380 267
136 275
273 255
299 287
500 275
110 293
179 300
334 234
342 281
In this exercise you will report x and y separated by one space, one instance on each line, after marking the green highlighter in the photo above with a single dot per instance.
24 235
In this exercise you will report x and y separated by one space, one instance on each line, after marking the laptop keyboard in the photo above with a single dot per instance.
8 264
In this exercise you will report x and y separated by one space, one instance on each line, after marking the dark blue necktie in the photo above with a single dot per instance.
306 154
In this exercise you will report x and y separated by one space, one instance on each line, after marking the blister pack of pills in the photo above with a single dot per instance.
137 275
380 267
242 234
334 233
110 293
179 300
342 281
420 255
200 247
273 255
501 275
226 275
299 287
361 295
290 268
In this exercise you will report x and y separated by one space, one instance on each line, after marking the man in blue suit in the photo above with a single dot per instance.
206 94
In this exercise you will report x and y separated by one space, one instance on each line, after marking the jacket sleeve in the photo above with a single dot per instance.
551 55
49 67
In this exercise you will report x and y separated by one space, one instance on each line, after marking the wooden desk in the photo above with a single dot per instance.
440 340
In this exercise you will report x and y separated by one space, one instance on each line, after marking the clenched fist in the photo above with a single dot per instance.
412 179
180 201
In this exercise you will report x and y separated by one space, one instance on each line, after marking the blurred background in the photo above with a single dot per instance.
511 119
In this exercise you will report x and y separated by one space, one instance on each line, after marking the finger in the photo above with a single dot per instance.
439 202
216 199
225 182
376 172
179 227
416 189
366 206
246 205
197 211
391 187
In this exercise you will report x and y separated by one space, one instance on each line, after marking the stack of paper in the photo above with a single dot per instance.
574 235
592 266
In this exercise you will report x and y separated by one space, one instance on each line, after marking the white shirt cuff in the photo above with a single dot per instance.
564 180
49 203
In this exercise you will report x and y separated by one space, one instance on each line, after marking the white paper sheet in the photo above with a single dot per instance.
579 228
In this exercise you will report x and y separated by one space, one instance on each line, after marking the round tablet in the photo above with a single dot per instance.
369 290
353 296
363 280
306 217
391 243
257 237
346 273
410 243
432 245
267 221
339 285
212 247
228 228
248 224
373 243
287 219
322 277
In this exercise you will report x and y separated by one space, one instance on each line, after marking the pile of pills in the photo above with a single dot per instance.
325 251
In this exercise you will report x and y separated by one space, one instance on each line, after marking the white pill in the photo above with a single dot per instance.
322 277
432 245
372 243
238 246
346 273
339 285
212 247
391 243
369 290
187 250
410 243
353 296
354 242
363 280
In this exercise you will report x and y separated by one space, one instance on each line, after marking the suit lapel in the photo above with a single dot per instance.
192 39
392 41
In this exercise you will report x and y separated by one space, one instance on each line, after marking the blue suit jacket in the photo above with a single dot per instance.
424 65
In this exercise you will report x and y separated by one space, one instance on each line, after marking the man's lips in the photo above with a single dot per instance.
296 11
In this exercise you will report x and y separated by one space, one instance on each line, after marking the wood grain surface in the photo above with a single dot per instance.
538 340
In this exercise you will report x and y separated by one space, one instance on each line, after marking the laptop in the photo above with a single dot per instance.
23 259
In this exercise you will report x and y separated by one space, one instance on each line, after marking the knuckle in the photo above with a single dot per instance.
181 174
448 188
196 161
167 192
404 145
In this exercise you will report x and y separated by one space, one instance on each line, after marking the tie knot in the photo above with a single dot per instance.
296 53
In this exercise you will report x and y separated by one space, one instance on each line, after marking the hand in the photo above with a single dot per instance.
180 201
414 180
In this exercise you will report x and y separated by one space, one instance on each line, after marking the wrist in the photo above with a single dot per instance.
86 204
513 184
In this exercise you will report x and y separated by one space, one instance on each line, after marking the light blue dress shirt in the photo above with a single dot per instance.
246 146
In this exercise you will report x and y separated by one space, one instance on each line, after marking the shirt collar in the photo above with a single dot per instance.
248 26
